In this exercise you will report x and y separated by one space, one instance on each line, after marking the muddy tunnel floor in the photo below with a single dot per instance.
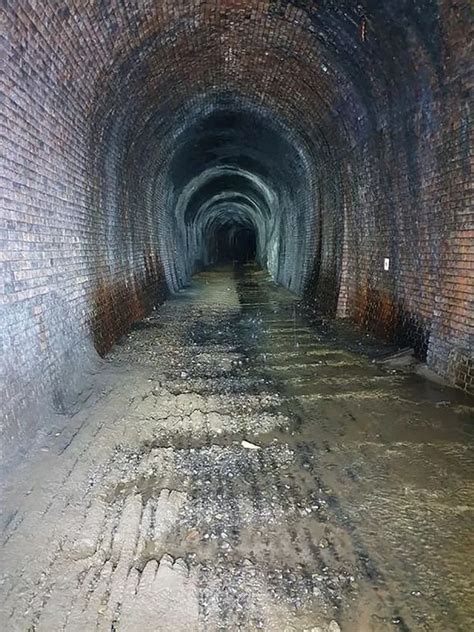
238 467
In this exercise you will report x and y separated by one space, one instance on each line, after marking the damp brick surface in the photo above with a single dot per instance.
346 124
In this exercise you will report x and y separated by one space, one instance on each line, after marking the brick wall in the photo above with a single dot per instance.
408 197
97 97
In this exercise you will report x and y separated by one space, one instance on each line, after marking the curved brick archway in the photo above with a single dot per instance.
341 129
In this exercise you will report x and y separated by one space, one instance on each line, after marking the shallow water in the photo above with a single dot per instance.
351 505
394 450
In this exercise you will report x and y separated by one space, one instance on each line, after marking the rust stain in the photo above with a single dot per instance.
381 313
118 304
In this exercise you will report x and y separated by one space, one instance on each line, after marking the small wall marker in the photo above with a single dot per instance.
386 264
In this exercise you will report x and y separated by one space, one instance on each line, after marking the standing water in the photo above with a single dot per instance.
237 466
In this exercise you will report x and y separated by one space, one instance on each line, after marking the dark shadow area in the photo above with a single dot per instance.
232 242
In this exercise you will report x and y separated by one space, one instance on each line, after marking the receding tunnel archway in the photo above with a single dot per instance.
246 165
340 130
234 235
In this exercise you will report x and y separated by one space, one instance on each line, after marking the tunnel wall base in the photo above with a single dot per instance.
407 252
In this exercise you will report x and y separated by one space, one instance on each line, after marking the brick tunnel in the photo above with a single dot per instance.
237 321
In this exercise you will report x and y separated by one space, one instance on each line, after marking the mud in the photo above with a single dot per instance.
242 466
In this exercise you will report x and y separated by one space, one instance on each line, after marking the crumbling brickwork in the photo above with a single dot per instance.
354 145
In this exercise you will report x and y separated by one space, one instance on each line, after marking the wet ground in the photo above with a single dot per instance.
237 467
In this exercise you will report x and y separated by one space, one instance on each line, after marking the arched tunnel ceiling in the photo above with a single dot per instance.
308 60
338 130
234 138
232 185
272 89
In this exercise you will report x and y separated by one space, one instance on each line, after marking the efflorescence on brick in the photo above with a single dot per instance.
339 130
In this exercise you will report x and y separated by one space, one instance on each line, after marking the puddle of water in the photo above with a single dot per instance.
382 458
395 449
